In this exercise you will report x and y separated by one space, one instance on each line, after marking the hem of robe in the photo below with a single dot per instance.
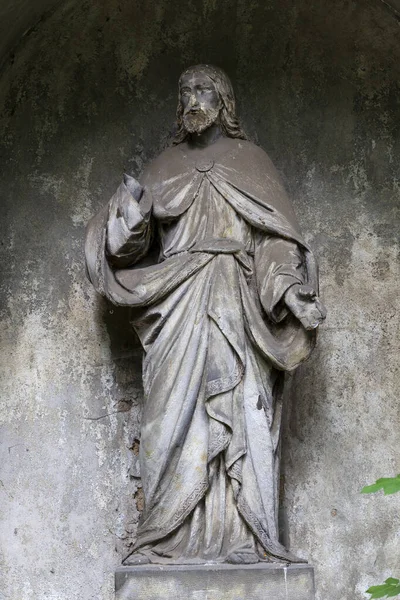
189 505
153 557
273 548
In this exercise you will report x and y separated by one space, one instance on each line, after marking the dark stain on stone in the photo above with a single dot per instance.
139 499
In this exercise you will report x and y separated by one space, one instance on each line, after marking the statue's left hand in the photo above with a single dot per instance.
303 302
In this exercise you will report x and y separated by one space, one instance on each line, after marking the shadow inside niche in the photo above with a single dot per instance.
126 397
305 391
126 355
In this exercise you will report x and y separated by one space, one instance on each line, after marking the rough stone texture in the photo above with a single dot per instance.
90 93
17 19
212 582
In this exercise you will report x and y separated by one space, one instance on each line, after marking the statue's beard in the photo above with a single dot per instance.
199 120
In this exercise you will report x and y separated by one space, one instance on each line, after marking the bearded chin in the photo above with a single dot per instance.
199 121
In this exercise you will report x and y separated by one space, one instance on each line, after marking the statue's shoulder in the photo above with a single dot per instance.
247 157
247 153
163 167
249 168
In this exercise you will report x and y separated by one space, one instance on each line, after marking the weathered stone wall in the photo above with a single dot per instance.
17 19
91 92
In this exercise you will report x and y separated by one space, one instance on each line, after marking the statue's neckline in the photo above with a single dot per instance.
204 164
204 161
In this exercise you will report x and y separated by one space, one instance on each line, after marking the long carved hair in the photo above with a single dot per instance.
227 118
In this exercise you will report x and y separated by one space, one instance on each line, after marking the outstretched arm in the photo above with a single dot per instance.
129 224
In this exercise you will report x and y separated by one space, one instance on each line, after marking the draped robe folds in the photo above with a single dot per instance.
217 337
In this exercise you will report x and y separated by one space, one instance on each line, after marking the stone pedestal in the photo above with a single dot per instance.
215 582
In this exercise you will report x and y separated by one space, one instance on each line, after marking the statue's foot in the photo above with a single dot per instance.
243 558
136 558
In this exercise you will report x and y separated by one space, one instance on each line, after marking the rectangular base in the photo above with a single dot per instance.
215 582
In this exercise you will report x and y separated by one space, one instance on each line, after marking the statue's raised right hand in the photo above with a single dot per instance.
128 206
303 302
133 186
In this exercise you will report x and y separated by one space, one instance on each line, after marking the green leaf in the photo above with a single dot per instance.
389 485
394 592
389 589
370 489
379 594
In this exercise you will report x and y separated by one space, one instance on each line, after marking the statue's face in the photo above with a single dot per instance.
200 101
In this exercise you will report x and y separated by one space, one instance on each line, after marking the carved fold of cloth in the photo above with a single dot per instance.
217 338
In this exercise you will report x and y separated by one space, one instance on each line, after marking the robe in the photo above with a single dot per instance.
209 311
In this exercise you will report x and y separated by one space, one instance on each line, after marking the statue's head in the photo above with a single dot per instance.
206 97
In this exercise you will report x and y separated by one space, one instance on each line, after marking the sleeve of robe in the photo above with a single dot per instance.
128 235
279 264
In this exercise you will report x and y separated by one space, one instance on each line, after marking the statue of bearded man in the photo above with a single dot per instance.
227 307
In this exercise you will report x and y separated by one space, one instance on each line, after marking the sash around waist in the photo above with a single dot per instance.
148 284
218 246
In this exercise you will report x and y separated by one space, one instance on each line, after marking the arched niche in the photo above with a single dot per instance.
89 92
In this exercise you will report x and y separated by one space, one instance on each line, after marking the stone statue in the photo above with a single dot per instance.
227 304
